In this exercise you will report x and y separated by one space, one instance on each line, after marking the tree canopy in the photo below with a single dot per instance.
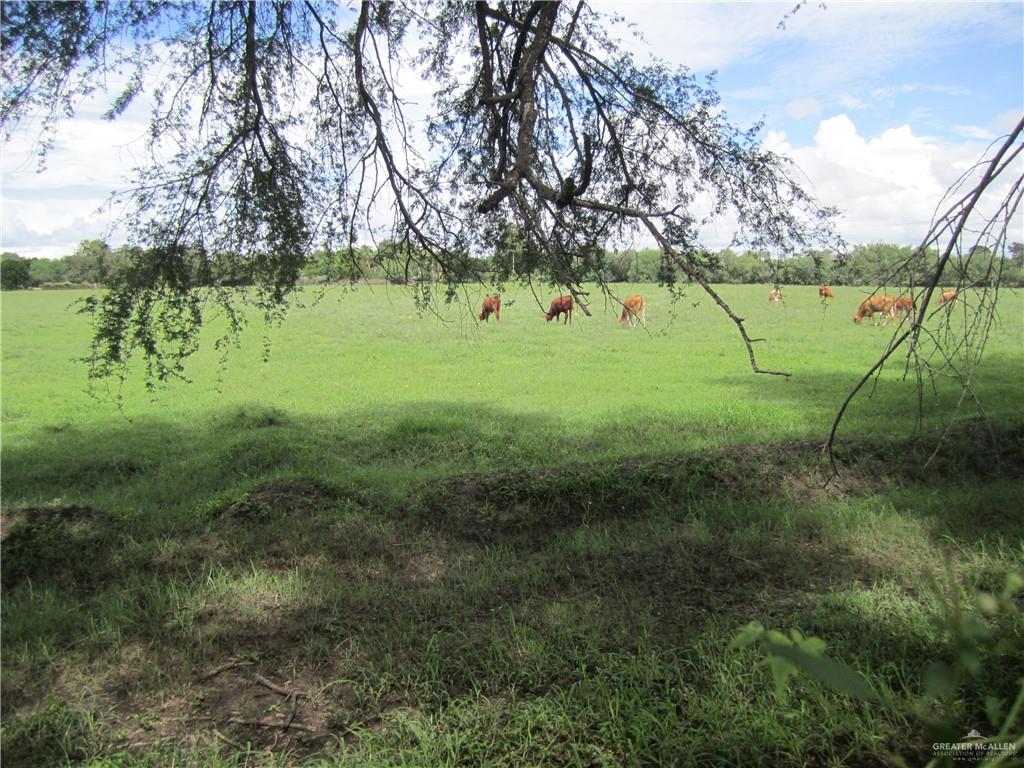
14 273
280 128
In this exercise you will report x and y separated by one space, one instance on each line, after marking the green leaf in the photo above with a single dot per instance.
994 710
781 669
777 638
748 635
813 645
988 603
835 675
938 680
970 660
1014 584
976 629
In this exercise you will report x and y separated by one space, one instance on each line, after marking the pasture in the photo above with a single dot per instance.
508 543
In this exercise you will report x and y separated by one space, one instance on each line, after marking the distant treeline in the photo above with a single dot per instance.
868 264
94 263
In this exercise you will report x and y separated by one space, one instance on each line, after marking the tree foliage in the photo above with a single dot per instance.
280 130
14 273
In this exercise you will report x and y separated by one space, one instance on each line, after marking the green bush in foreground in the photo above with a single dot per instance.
983 642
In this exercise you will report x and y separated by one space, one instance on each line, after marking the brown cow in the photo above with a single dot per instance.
903 304
946 297
492 304
634 308
824 293
775 295
563 304
883 303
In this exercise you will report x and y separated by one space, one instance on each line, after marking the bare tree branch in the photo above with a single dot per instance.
954 224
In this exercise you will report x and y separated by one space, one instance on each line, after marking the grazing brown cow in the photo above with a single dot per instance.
492 304
946 297
903 304
824 293
634 308
775 295
883 303
563 304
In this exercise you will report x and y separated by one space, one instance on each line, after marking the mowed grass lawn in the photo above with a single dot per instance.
514 543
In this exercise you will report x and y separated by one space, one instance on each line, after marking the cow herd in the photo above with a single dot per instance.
889 307
634 308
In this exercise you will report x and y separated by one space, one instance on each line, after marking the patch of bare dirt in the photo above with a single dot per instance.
426 567
234 703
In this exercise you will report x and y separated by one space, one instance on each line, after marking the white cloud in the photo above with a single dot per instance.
701 36
757 93
53 242
846 101
851 57
888 186
974 132
47 213
887 92
842 43
803 107
775 141
1006 122
853 43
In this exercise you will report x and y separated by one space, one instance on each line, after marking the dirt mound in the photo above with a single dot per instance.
283 498
73 515
232 705
51 540
535 501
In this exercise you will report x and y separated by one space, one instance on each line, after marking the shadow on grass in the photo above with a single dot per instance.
389 619
85 492
890 407
161 466
318 588
357 557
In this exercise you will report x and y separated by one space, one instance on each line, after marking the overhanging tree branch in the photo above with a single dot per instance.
301 141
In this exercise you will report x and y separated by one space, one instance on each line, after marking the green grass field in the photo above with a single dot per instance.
513 543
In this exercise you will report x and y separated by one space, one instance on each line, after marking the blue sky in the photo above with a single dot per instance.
881 105
931 65
933 90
